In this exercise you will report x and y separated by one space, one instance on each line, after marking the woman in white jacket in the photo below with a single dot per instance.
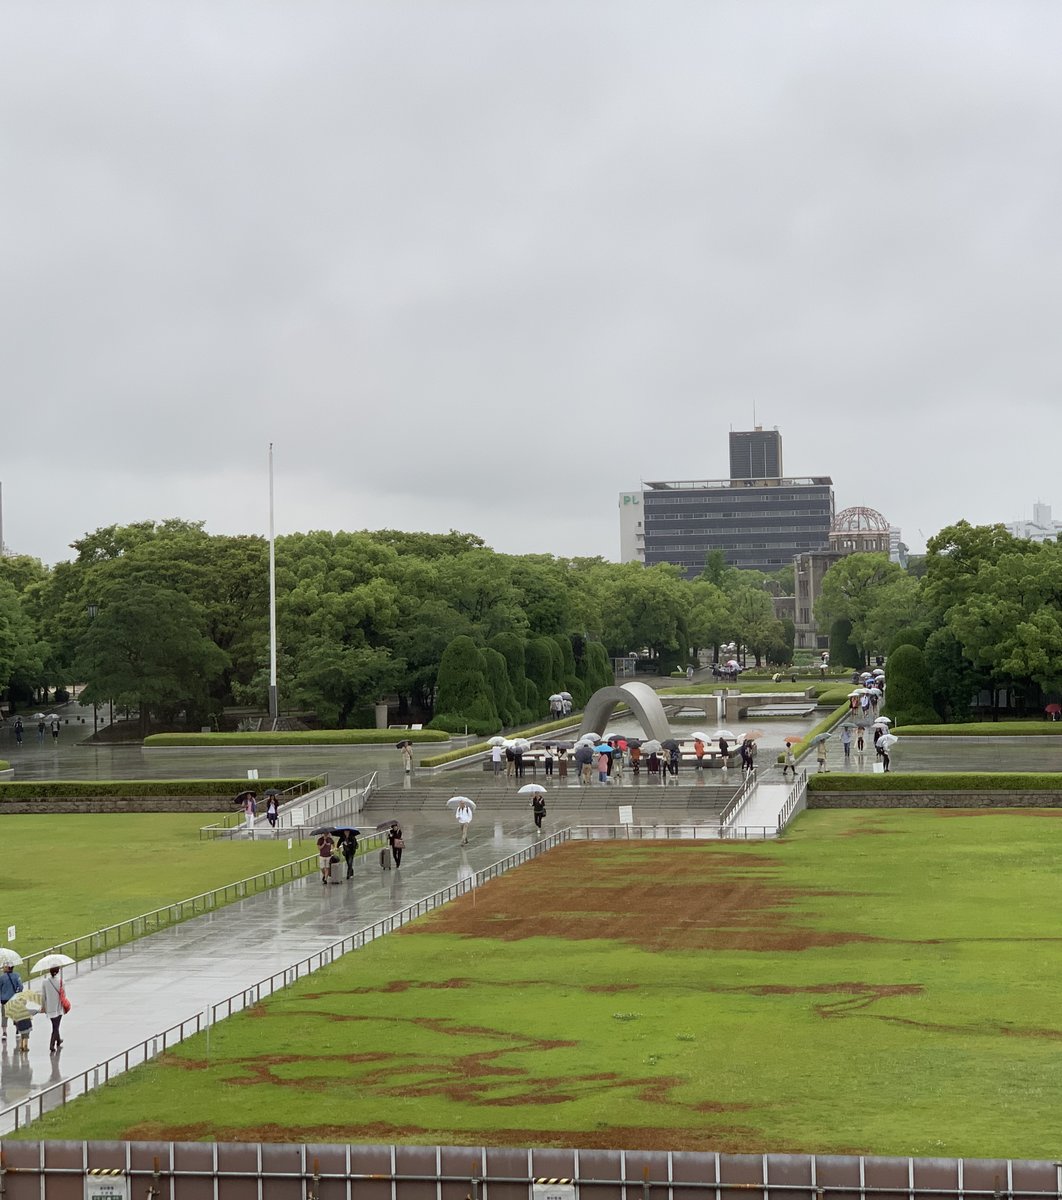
52 1005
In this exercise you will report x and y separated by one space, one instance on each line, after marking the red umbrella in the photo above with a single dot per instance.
1053 708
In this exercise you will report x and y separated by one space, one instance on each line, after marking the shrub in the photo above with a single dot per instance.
460 724
512 649
4 766
908 697
595 667
497 671
937 781
463 693
907 637
301 737
66 789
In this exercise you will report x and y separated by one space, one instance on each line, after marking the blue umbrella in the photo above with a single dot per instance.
604 748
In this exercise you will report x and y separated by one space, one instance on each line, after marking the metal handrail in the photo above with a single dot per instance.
734 806
229 824
795 802
363 786
60 1093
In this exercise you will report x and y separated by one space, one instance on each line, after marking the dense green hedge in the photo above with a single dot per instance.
984 729
939 781
439 760
301 737
70 789
4 766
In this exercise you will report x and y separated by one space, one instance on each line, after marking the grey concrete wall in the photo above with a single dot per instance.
934 799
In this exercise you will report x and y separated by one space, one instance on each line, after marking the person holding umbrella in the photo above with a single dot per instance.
325 849
407 756
348 847
250 808
10 985
397 841
54 1004
272 808
463 809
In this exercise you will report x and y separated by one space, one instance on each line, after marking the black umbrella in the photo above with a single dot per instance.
670 744
242 797
326 829
404 742
633 742
584 754
271 792
387 824
561 745
345 829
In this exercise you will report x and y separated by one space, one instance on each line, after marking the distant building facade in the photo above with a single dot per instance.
1040 529
759 520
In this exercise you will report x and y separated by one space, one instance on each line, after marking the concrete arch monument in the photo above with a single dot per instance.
643 702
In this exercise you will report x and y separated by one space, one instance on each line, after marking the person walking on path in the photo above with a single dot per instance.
820 755
496 754
10 985
55 729
272 811
846 742
603 760
19 730
398 843
53 1005
698 751
325 849
407 757
510 762
548 760
885 757
859 739
348 846
40 730
250 809
463 813
790 760
538 808
562 763
674 755
748 756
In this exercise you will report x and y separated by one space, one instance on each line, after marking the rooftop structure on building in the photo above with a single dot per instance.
1040 529
760 521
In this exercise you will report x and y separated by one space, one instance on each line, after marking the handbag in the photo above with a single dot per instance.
399 843
63 999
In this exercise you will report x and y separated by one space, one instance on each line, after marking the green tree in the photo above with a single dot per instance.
850 590
843 653
908 698
497 674
464 695
146 648
954 681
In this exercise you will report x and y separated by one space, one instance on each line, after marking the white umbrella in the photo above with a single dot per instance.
497 741
531 789
9 958
51 717
866 675
565 695
555 697
882 720
38 716
857 692
874 691
591 737
879 672
700 737
521 744
725 734
651 747
457 801
887 741
52 960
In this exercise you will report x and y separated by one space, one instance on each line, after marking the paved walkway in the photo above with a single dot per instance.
126 995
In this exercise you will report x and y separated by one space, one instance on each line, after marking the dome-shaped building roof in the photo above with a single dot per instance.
860 530
858 520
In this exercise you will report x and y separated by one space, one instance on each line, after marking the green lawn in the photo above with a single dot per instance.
878 982
147 860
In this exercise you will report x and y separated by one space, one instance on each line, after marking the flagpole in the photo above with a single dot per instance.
274 705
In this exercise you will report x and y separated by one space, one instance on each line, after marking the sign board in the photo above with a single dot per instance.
106 1185
554 1189
297 815
626 814
252 772
11 933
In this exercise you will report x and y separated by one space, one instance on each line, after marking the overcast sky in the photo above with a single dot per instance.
485 265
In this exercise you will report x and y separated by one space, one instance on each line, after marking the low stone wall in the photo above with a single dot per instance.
934 799
120 804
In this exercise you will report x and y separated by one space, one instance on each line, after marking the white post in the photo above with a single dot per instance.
274 705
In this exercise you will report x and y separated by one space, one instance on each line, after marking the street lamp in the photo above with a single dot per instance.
92 610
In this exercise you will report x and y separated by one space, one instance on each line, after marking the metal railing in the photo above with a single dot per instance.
795 802
158 919
731 810
351 799
231 824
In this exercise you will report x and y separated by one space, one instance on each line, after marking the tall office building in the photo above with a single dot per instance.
760 521
756 454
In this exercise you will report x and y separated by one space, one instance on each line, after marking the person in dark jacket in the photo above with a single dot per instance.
538 808
398 843
10 985
348 847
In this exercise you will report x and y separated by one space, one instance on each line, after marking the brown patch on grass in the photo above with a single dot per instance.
866 829
392 986
1054 813
691 897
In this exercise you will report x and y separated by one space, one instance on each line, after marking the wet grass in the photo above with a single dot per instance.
64 876
877 983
